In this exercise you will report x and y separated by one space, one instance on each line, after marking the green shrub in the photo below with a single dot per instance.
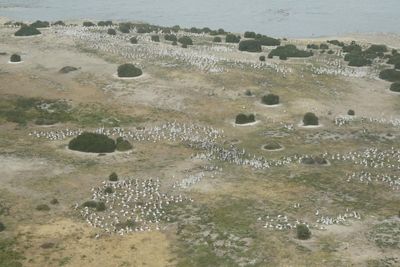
353 47
231 38
351 112
54 201
129 70
330 52
144 28
249 35
92 142
395 87
390 75
40 24
357 59
268 41
88 24
394 59
166 31
217 39
272 146
377 49
312 46
221 31
171 37
250 46
270 99
9 256
101 206
27 31
124 27
324 46
310 119
335 42
185 40
262 58
59 23
176 28
248 93
155 38
42 207
206 30
2 227
123 145
287 51
133 40
108 190
111 32
105 23
303 232
113 177
243 118
15 58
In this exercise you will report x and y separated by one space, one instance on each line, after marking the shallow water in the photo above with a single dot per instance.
291 18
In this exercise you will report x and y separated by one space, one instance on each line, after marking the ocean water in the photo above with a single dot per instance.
280 18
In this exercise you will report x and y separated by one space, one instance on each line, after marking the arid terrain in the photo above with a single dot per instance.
227 200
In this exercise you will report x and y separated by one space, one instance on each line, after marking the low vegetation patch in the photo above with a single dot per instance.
113 177
111 32
40 24
270 99
27 31
185 40
310 119
129 70
43 207
231 38
15 58
243 118
390 75
303 233
123 144
287 51
250 46
93 143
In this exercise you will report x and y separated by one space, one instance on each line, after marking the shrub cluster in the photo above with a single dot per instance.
250 46
129 70
267 41
249 35
155 38
231 38
171 37
394 59
310 119
133 40
303 232
40 24
272 146
98 205
111 32
262 58
243 118
88 24
217 39
105 23
324 46
270 99
312 46
390 75
124 27
185 40
59 23
27 31
15 58
351 112
287 51
395 87
92 142
335 42
42 207
123 145
113 177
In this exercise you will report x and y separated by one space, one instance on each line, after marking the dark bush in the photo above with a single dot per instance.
231 38
270 99
206 30
308 161
111 32
42 207
377 49
248 93
67 69
15 58
335 42
310 119
166 31
2 227
129 70
250 46
105 23
330 52
123 145
249 35
213 33
221 31
268 41
155 38
217 39
395 87
144 28
27 31
357 59
303 232
324 46
272 146
287 51
171 37
390 75
185 40
124 27
92 142
59 23
176 28
40 24
262 58
353 47
312 46
394 59
351 112
88 24
243 118
99 206
113 177
54 201
108 190
133 40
